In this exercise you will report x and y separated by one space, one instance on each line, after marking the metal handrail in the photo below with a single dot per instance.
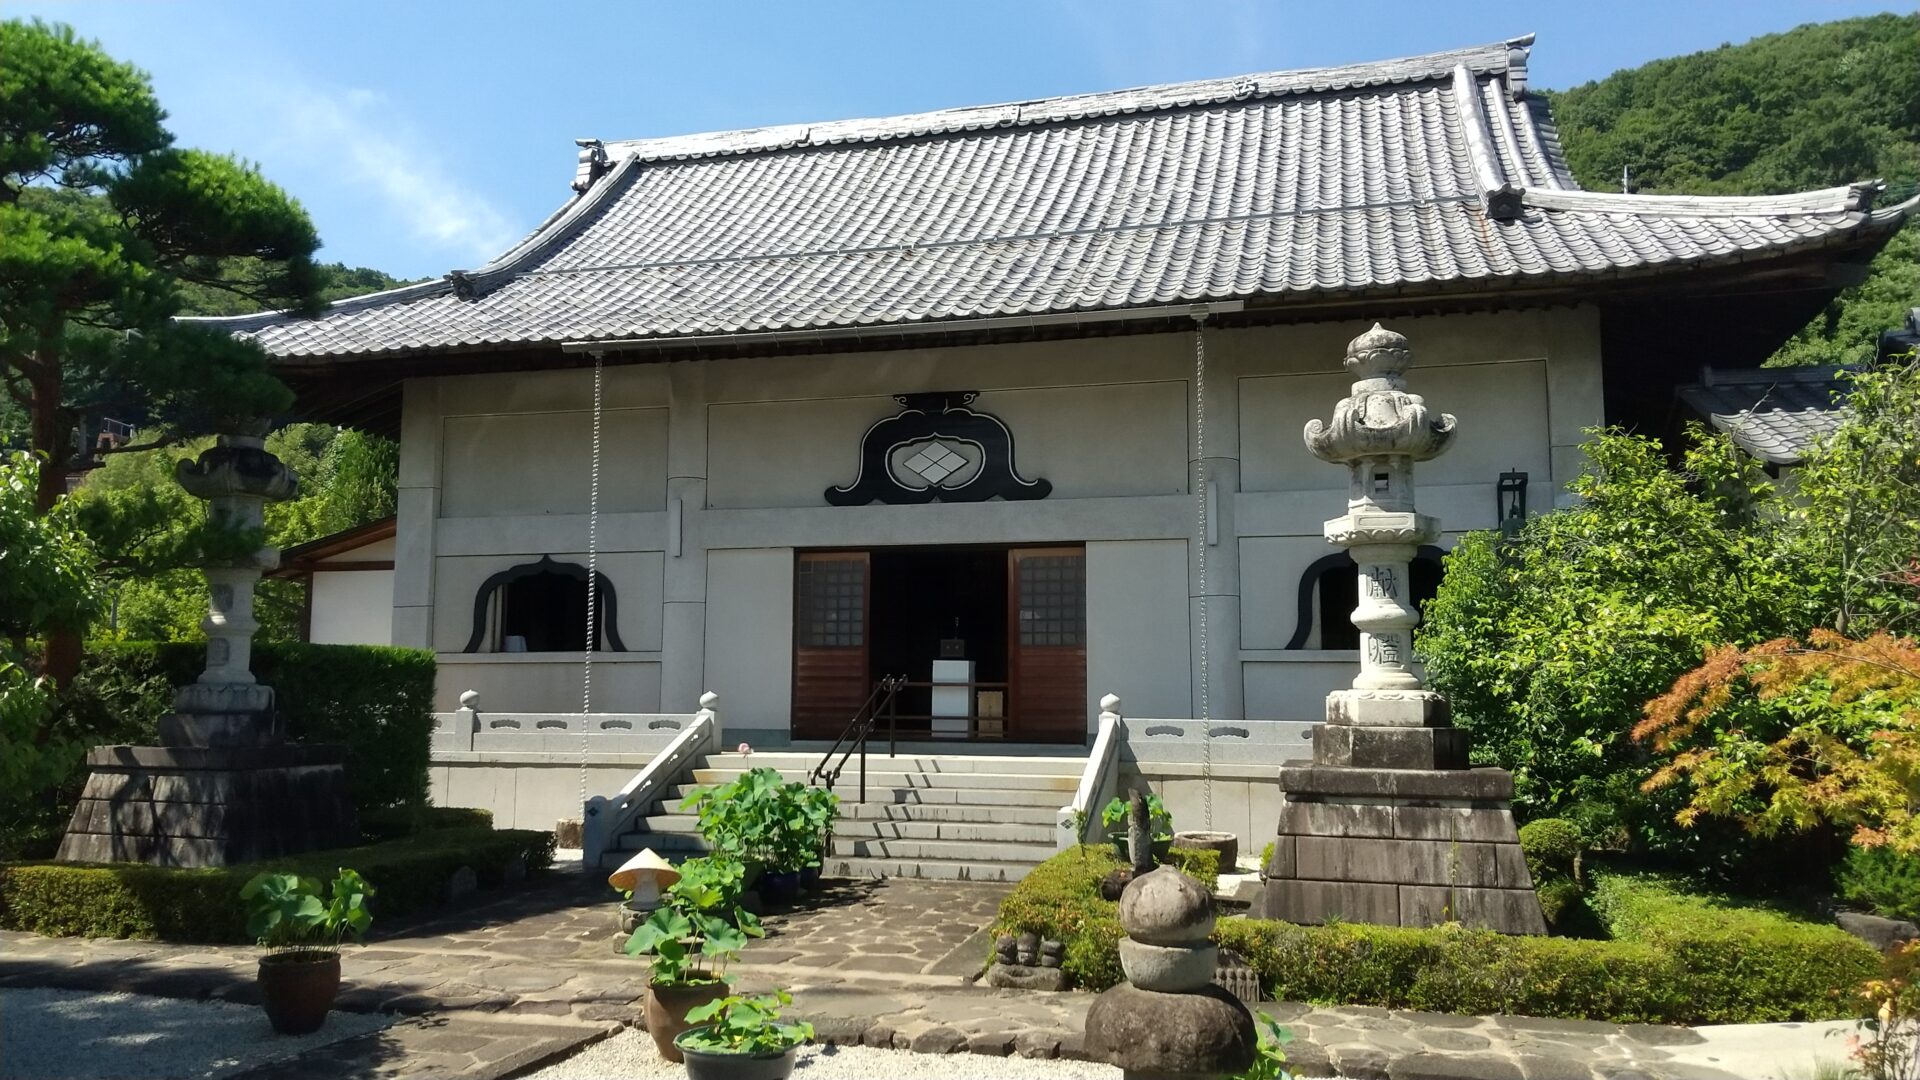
859 730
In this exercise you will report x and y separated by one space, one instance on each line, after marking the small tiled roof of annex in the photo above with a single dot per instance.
1428 174
1775 414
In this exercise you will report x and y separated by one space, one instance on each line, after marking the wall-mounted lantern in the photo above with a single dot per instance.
1510 499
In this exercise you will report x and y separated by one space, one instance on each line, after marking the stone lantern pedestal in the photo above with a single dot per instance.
225 786
1388 824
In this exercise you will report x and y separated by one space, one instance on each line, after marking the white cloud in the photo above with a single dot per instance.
354 139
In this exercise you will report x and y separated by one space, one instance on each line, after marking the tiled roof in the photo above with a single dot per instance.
1775 414
1425 174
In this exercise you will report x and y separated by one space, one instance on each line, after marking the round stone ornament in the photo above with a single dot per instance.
1166 907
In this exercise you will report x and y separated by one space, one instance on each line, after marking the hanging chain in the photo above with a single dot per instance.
593 583
1200 514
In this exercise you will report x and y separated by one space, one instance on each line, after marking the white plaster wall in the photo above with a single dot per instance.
1136 627
787 453
540 463
352 607
750 636
1104 419
548 682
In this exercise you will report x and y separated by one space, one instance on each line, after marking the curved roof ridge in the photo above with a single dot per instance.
467 284
1846 198
1493 58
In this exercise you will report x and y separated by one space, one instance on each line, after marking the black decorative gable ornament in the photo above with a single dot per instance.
937 450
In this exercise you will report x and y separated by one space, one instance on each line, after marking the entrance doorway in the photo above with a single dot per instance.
1017 616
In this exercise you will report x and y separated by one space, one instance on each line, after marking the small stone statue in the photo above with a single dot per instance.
1168 1019
1051 953
1004 950
1139 834
1029 950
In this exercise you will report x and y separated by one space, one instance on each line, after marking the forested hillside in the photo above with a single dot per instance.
1817 106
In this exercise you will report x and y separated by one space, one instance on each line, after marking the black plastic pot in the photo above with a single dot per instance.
1160 848
810 878
707 1065
297 989
780 886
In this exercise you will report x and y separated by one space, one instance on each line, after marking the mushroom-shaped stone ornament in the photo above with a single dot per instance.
644 876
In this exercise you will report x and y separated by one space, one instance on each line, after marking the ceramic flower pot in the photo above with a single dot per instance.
810 878
297 989
708 1065
666 1011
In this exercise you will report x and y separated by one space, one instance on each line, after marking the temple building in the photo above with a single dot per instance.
1008 399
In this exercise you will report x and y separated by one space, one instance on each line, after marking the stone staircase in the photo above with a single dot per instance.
954 817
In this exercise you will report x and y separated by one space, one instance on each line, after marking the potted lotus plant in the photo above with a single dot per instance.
777 829
301 928
1114 817
742 1038
698 928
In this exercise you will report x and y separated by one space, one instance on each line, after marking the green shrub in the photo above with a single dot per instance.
1737 964
129 900
374 700
1882 880
1678 959
1200 864
1553 847
392 823
1456 970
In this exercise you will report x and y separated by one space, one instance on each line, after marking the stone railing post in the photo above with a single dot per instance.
466 720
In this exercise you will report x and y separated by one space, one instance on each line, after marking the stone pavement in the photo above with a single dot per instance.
534 973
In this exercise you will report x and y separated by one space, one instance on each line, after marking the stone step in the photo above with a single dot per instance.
926 869
888 811
849 780
950 796
949 850
1001 815
801 764
870 829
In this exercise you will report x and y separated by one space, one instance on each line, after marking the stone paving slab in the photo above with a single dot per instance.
458 1046
885 967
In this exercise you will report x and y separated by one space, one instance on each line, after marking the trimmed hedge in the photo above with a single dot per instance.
1740 964
1675 958
375 700
394 823
1882 880
130 900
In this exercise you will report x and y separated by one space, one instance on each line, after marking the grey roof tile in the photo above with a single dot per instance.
1282 185
1775 414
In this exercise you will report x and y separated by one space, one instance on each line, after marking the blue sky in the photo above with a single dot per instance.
427 136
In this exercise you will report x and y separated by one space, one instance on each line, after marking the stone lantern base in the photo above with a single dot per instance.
210 806
1398 847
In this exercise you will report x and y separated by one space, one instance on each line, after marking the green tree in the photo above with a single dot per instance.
1550 644
102 223
46 580
1858 510
1817 106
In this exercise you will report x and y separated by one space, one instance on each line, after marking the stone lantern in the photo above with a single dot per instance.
1388 824
225 786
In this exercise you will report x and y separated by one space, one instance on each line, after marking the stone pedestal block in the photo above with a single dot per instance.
1351 746
1399 847
209 806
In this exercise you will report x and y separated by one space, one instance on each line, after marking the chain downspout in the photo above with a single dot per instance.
1200 560
593 581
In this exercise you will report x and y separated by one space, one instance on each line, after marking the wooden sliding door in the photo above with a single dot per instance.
832 612
1047 643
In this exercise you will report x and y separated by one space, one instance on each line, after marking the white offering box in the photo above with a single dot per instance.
952 704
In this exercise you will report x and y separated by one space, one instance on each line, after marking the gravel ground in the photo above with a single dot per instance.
630 1056
72 1033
